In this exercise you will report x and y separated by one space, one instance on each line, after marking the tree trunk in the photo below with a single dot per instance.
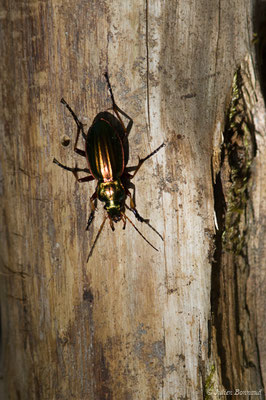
185 322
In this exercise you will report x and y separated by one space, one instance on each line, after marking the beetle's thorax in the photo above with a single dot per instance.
112 193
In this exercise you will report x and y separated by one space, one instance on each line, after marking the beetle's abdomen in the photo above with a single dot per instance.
105 151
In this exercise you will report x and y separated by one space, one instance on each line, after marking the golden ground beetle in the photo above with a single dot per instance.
106 150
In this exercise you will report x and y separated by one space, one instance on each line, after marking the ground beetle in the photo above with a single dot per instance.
106 150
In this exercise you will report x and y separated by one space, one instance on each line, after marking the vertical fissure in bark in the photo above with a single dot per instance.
148 63
234 334
216 289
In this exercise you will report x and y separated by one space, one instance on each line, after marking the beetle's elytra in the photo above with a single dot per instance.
106 150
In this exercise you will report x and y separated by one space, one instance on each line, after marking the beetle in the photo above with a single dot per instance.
106 151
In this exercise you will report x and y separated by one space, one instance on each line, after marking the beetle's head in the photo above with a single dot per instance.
114 213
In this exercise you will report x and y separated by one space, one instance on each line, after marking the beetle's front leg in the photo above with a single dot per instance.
141 219
93 209
133 208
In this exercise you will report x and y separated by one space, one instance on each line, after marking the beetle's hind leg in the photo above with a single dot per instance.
133 208
130 124
110 88
79 126
118 110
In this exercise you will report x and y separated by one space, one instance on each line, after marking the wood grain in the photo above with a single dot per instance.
132 323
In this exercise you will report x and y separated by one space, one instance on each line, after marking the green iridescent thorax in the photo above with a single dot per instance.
113 195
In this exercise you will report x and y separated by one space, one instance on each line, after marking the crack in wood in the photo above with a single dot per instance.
148 65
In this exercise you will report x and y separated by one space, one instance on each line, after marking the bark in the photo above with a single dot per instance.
185 322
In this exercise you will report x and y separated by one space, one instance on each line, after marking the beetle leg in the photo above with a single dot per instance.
137 215
146 240
130 124
97 236
74 170
118 110
84 179
132 203
111 223
80 128
109 87
93 209
135 212
141 219
90 219
76 150
133 208
141 160
124 221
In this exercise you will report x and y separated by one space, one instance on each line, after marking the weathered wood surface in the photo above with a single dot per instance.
132 323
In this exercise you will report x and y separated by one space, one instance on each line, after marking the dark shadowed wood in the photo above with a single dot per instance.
132 323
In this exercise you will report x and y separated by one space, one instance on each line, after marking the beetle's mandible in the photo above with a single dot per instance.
106 151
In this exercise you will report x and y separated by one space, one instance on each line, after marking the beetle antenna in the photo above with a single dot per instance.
140 232
97 237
